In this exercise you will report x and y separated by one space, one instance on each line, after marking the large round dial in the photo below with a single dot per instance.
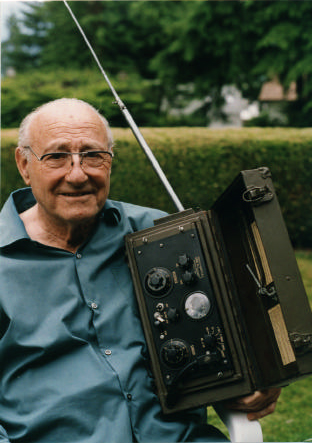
175 353
197 305
158 281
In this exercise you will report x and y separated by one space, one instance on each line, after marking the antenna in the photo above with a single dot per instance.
147 150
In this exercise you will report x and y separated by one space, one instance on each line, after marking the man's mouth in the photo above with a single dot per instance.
75 194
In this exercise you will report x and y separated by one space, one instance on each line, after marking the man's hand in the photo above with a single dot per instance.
258 405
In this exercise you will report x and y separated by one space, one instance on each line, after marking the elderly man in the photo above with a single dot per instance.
73 357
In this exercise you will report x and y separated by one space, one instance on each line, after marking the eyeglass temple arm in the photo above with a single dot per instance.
148 152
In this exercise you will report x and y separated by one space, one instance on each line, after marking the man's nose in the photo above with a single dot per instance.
76 172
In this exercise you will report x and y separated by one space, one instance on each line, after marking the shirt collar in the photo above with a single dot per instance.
110 213
12 228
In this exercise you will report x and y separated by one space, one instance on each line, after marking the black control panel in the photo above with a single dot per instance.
183 313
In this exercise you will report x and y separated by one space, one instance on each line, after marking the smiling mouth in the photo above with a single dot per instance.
76 194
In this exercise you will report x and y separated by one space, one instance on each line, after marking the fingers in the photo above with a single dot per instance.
260 414
258 405
259 399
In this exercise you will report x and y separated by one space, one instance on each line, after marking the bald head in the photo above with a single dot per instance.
65 109
73 193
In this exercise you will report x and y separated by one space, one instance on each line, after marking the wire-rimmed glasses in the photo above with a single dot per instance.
62 160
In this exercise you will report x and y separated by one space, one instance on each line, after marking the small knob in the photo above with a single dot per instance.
173 315
188 277
157 281
184 261
210 341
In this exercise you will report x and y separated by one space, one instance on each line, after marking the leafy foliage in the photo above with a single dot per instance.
21 94
200 44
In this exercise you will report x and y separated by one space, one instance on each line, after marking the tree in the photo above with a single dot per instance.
207 50
124 36
241 43
285 52
15 51
192 48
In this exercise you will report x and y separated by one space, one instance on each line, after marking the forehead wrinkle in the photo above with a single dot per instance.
68 126
65 131
69 115
79 125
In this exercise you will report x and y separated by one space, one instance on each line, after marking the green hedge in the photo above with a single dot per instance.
200 163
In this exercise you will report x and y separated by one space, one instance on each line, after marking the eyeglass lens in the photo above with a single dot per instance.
91 159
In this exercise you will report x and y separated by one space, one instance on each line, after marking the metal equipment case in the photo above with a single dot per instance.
222 303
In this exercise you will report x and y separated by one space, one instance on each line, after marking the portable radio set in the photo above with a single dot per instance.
221 298
222 302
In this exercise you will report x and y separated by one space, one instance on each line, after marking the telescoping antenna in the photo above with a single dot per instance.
131 122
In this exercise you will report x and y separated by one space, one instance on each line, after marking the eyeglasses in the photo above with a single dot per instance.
88 159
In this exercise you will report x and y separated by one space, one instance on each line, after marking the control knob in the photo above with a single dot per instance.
158 281
172 315
188 277
175 353
210 341
184 261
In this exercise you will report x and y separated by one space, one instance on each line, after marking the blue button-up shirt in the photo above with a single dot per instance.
74 365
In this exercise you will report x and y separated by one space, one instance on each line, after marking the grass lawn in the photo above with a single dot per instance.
292 419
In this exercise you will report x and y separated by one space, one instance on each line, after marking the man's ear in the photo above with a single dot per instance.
23 165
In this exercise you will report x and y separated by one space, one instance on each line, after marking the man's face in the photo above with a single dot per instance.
72 195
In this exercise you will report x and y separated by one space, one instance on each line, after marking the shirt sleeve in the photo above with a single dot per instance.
197 429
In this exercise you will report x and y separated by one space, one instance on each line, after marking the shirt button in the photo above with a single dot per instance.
129 397
108 352
78 255
94 306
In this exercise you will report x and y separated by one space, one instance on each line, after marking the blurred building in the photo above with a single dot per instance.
273 99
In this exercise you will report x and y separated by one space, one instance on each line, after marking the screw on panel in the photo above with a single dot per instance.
160 307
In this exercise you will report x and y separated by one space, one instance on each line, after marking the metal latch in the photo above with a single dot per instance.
258 194
262 290
301 342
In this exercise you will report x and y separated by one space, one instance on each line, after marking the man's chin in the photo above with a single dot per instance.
80 217
80 209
